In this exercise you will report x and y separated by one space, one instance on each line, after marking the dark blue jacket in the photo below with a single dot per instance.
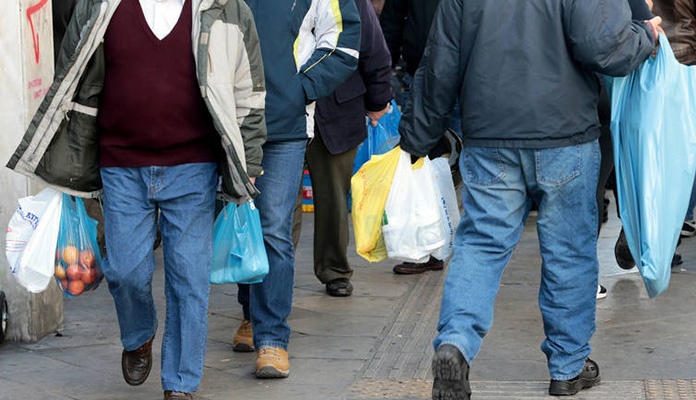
308 47
524 71
340 116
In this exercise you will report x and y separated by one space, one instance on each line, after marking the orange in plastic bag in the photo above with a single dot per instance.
78 260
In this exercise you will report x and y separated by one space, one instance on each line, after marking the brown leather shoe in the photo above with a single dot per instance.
170 394
409 268
136 364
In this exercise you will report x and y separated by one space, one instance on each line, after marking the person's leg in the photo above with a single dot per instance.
497 204
689 226
297 218
565 182
129 229
606 169
271 300
331 175
186 198
692 203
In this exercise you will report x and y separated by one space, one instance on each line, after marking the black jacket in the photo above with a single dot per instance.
524 71
340 116
406 24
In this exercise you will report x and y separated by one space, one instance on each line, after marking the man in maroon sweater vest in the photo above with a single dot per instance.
157 105
158 152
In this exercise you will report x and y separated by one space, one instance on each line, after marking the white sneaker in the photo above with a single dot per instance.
601 292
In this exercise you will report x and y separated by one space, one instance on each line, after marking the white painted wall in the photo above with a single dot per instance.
26 71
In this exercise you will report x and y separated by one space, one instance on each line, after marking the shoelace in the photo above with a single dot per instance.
269 352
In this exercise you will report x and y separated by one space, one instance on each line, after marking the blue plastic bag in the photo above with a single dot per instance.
654 136
78 260
381 138
239 253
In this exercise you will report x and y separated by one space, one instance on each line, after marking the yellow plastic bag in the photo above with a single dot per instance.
370 188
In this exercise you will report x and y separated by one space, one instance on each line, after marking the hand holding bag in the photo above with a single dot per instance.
654 134
412 225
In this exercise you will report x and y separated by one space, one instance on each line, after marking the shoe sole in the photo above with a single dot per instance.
572 388
413 271
339 294
243 348
450 381
271 373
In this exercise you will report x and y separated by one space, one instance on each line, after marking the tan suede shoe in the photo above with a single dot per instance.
243 340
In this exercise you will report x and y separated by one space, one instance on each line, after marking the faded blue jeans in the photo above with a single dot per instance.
184 196
268 304
499 187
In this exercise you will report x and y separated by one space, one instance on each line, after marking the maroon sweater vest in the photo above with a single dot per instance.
151 111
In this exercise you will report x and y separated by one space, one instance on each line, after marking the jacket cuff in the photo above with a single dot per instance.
309 92
254 170
373 106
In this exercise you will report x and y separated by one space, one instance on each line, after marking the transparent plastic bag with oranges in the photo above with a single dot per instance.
78 259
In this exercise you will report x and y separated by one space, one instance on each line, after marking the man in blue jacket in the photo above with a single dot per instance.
525 77
339 129
309 47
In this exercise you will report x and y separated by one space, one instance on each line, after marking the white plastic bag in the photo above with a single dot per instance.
449 208
412 224
32 234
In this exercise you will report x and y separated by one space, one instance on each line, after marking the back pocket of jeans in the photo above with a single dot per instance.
558 166
482 166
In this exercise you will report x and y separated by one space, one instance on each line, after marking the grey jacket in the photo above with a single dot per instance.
524 71
60 146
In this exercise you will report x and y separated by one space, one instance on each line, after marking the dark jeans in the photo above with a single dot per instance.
606 147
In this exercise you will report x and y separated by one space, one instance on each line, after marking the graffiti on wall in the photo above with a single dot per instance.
31 10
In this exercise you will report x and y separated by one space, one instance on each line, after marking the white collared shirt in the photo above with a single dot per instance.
161 15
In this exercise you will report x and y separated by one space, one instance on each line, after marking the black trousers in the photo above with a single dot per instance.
330 174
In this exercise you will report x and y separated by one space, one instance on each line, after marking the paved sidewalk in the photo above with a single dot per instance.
377 343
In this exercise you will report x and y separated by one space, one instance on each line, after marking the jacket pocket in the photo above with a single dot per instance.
72 158
350 89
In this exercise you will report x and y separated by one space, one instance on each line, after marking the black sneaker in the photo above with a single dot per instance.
409 268
622 253
677 260
588 378
451 374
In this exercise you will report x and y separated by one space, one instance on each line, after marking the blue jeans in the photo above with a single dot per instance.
267 304
499 187
184 196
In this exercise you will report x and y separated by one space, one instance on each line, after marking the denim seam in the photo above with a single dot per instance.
271 343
